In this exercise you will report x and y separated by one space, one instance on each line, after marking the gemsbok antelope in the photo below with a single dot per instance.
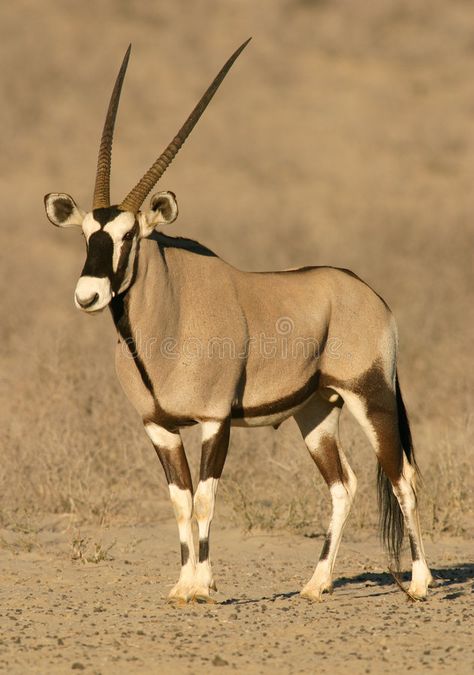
173 302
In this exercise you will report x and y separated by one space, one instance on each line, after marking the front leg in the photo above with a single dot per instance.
170 451
215 442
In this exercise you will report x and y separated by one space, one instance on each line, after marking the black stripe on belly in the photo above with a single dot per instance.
279 405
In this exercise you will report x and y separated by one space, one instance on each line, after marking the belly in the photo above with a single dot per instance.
269 419
276 411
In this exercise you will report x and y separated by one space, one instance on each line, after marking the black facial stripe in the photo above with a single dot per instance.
106 215
100 249
123 259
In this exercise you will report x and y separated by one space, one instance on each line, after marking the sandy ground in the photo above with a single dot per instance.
60 614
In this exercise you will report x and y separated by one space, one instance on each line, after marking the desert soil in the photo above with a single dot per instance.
59 614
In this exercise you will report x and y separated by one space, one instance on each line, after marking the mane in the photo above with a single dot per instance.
165 241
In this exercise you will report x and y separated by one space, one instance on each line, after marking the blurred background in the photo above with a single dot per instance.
344 135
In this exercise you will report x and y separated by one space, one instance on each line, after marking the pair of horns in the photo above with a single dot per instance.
136 197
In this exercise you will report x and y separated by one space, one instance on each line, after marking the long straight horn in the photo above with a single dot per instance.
102 180
136 197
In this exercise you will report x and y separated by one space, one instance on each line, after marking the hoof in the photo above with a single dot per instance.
202 595
315 593
180 595
203 599
177 601
417 593
420 580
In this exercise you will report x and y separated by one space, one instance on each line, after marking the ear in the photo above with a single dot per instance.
164 210
62 210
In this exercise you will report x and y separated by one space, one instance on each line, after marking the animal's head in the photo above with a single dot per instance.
112 232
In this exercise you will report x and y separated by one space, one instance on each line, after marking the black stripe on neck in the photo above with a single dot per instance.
119 309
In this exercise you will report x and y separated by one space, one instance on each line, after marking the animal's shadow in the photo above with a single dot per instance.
443 577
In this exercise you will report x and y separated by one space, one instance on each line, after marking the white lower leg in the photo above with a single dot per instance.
204 501
405 493
182 501
342 496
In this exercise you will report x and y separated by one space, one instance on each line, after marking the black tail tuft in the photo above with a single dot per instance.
391 524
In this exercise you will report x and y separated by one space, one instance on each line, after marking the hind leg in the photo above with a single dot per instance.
319 424
374 405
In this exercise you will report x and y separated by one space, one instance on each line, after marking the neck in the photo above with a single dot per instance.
142 306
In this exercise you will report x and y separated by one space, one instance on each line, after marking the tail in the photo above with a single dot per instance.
391 524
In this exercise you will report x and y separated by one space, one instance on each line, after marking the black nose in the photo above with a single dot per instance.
85 304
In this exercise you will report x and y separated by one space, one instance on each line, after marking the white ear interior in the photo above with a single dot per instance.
165 207
62 210
164 210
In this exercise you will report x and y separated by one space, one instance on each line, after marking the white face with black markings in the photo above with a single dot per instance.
112 239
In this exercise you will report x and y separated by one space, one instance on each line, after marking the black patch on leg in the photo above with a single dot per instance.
326 547
176 467
184 553
203 550
214 452
415 554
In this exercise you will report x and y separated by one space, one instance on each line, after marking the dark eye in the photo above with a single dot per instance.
128 235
